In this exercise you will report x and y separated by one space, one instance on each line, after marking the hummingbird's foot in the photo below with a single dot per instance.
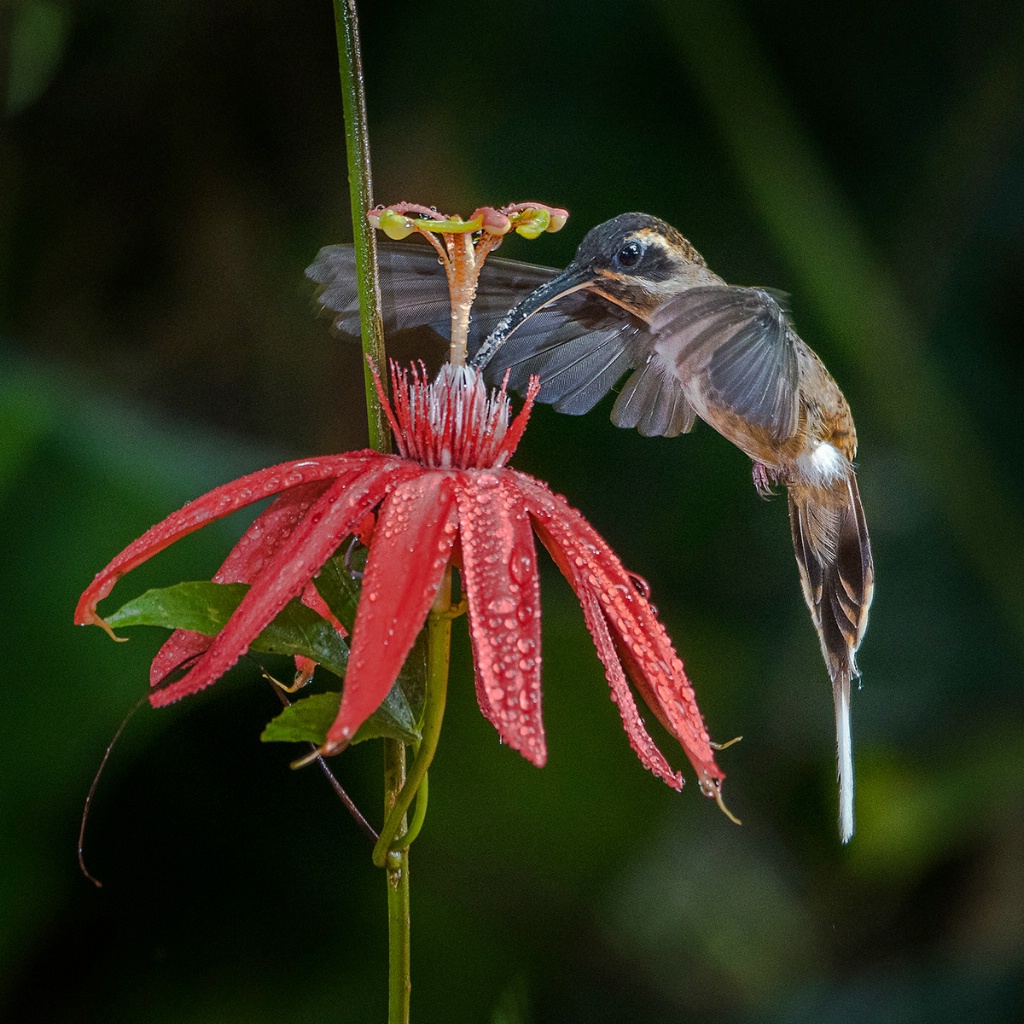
765 478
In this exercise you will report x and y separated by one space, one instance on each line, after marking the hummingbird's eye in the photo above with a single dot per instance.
630 254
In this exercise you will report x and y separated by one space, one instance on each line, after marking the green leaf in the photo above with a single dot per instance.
307 720
304 721
340 589
205 608
38 37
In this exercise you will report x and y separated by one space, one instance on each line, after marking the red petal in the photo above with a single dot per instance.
305 667
329 520
500 580
181 646
412 542
215 504
639 738
245 560
639 638
311 599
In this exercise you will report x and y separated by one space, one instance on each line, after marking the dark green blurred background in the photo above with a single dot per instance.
167 170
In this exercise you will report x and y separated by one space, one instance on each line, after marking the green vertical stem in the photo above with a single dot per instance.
400 792
397 873
357 147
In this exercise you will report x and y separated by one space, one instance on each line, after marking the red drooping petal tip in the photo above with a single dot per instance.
215 504
325 749
87 616
85 610
712 787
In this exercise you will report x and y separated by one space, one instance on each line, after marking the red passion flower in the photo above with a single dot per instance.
447 498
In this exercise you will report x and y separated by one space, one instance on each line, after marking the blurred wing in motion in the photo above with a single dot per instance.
415 289
710 349
580 346
734 352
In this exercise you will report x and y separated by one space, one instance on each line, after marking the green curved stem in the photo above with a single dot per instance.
395 835
419 815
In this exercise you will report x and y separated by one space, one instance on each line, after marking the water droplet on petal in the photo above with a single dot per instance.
521 568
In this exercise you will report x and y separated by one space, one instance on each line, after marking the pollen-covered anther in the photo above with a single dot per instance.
394 225
492 220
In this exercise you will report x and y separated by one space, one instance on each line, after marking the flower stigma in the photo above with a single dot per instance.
463 245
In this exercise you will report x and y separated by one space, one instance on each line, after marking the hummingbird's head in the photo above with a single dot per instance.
637 261
634 260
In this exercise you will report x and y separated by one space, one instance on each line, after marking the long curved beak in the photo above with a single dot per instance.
572 279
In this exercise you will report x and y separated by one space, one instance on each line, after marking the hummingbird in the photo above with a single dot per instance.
638 298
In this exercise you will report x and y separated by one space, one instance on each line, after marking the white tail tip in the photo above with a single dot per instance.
844 751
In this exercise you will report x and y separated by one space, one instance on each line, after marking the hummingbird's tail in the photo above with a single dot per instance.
833 552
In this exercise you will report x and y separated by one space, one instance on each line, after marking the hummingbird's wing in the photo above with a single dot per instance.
579 346
717 351
653 402
734 354
415 290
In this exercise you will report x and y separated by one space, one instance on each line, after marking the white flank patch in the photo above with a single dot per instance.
823 464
